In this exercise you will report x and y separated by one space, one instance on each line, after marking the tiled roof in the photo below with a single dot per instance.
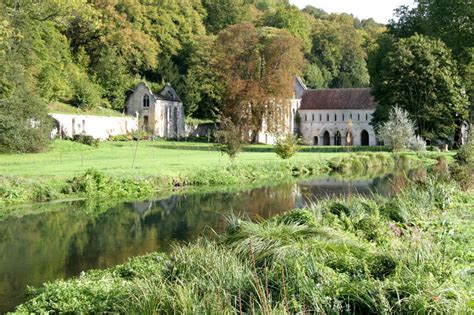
359 98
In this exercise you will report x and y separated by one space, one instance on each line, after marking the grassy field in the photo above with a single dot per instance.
134 159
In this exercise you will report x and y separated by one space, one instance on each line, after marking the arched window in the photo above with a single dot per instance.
305 117
343 117
320 117
146 101
366 117
335 117
313 117
351 115
327 117
358 116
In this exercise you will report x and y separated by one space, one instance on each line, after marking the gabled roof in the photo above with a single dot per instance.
168 93
300 82
355 98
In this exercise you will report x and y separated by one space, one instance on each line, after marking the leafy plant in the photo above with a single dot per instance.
230 138
286 146
397 132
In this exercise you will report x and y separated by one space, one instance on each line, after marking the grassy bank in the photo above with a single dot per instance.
389 255
138 169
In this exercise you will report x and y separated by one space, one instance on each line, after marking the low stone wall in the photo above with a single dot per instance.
99 127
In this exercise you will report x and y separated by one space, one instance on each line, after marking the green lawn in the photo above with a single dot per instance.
66 158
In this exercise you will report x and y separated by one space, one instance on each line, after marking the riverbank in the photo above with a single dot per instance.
157 169
410 253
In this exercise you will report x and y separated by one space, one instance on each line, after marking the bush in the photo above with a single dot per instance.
120 138
24 127
465 155
230 138
140 135
417 144
85 139
398 131
286 146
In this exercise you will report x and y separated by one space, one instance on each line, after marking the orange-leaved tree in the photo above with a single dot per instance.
257 67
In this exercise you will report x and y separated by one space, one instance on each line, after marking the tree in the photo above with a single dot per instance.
398 130
419 75
230 138
256 68
449 20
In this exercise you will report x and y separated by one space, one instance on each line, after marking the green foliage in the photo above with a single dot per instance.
84 139
230 138
419 75
222 13
449 21
463 170
96 184
291 18
397 131
286 146
465 155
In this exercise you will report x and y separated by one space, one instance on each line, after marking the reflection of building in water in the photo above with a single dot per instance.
141 207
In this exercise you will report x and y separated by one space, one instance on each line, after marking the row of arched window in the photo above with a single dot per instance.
342 117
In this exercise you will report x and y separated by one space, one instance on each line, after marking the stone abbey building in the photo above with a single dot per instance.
337 117
331 116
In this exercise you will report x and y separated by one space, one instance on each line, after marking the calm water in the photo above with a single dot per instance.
68 238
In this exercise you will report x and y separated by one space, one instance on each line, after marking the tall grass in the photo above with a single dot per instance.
406 254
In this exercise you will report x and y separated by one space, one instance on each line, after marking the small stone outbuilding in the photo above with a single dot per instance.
161 114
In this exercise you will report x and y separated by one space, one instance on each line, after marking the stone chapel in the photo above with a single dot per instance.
161 114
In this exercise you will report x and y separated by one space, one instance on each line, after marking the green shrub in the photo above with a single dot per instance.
85 139
286 146
230 138
120 138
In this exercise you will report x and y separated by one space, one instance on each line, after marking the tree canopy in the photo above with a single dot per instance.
257 67
418 74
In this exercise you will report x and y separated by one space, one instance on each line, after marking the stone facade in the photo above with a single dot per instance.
162 113
99 127
337 117
330 116
337 127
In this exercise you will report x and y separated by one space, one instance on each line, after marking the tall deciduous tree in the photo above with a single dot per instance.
449 20
419 75
257 67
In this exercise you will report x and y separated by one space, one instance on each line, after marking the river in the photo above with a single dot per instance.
61 239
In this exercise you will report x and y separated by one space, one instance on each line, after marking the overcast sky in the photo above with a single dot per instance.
380 10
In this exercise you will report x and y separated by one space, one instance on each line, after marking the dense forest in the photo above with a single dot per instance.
90 54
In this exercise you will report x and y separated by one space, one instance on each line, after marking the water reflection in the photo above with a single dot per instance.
76 236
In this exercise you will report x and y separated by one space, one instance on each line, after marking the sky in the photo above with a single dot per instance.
380 10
